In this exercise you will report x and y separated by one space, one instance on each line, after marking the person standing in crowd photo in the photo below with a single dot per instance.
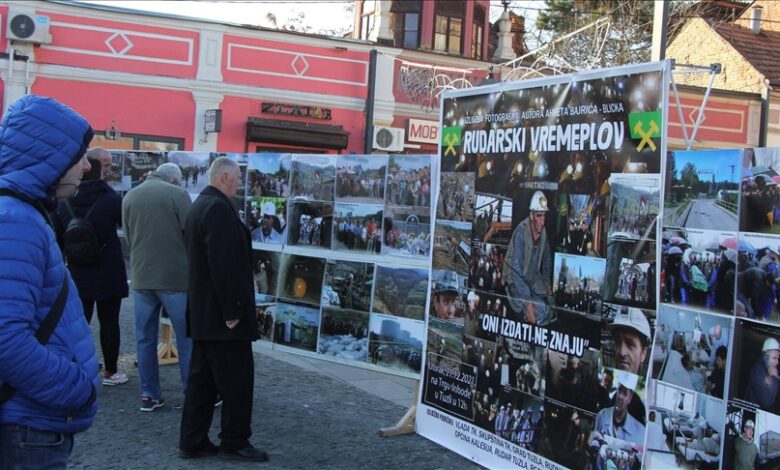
221 321
50 383
153 216
101 282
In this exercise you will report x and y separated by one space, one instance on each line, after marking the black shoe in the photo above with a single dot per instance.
209 450
247 454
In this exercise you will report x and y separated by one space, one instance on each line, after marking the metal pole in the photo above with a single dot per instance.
369 134
660 30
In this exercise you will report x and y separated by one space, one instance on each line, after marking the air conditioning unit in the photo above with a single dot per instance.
388 139
26 26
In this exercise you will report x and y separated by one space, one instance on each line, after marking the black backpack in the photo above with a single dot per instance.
80 242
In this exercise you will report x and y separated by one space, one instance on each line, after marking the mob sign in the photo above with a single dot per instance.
426 132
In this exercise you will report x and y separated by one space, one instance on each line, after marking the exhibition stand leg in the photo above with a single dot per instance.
166 350
406 424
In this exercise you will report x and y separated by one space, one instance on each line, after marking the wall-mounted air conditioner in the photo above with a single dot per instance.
25 25
388 139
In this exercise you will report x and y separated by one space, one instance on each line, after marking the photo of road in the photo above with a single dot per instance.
702 190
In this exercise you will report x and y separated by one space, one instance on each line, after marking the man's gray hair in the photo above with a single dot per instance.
170 172
219 166
95 153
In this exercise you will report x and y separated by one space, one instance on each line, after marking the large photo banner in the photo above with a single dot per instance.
543 288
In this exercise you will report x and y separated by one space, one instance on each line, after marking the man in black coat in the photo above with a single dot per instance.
220 320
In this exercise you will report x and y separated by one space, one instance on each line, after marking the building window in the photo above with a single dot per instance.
476 43
137 142
448 34
367 20
411 30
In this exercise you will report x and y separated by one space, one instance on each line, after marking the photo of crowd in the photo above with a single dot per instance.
758 278
698 269
626 338
310 224
577 282
445 340
631 273
267 219
702 189
300 278
634 205
358 227
395 342
194 166
407 232
448 296
691 350
760 198
137 165
265 268
361 179
344 334
456 197
586 229
348 285
451 245
514 416
754 378
313 177
296 325
408 181
564 434
402 292
486 269
684 429
493 220
268 175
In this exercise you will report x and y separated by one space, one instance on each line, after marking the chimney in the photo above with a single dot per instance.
755 19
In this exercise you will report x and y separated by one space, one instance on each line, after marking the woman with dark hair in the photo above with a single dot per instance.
103 281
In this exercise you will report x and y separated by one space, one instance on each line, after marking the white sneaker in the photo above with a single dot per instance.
116 379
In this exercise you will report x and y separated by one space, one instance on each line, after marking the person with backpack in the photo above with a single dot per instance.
88 224
48 367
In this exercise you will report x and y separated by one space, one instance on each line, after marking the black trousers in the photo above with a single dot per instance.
227 369
108 316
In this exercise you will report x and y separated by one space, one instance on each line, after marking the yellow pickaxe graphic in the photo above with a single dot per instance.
639 128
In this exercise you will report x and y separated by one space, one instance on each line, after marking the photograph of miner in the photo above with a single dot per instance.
573 379
684 429
348 285
482 355
698 269
445 340
395 342
577 282
407 232
754 377
310 224
448 297
113 175
402 292
452 245
702 189
626 336
752 439
528 264
344 334
487 268
586 233
456 197
494 172
265 322
313 177
760 199
614 424
492 220
630 277
137 165
194 166
361 179
295 325
633 206
563 435
516 417
524 367
581 173
408 181
267 219
268 174
692 350
265 268
758 281
238 200
300 278
358 227
483 314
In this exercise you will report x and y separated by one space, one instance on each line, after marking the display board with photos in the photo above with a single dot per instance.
543 288
342 254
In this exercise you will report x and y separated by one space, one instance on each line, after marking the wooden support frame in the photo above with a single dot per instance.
166 350
406 424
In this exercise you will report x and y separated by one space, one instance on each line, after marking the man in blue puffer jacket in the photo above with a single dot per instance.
42 146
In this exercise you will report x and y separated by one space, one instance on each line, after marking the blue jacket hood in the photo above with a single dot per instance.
40 139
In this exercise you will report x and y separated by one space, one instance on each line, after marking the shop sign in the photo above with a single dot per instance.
426 132
297 110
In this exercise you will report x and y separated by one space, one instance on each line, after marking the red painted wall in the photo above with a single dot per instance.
723 121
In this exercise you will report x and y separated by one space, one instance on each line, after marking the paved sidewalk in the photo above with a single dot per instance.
308 414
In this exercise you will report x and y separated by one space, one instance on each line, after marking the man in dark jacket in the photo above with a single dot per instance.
220 320
42 145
